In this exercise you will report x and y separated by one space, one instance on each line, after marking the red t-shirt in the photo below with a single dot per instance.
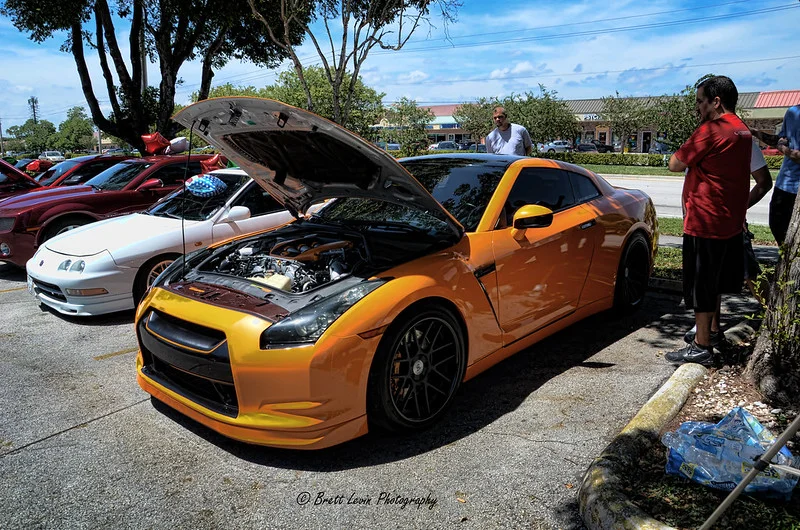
717 185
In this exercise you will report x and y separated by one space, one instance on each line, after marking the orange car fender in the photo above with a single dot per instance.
453 285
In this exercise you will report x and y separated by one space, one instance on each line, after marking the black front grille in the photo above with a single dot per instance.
189 359
48 289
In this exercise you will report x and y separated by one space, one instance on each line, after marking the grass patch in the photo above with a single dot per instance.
642 170
669 263
673 226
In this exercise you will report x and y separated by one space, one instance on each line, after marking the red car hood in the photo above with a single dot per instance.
10 174
29 200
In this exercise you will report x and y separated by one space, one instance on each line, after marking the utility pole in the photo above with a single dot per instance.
99 140
2 145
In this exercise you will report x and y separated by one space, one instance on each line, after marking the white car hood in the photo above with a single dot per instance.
111 234
301 158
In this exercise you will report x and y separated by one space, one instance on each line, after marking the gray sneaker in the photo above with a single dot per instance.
691 353
716 337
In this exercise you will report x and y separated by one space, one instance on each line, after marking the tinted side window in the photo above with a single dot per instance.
583 187
88 171
539 185
258 201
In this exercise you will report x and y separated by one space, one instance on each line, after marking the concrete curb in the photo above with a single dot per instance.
602 503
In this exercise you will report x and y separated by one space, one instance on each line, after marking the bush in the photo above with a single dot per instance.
609 159
774 161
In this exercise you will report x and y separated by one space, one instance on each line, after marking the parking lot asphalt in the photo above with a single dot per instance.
82 446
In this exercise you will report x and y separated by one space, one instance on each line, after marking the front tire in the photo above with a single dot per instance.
633 274
417 370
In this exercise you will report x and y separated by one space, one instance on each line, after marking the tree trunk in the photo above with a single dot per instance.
774 366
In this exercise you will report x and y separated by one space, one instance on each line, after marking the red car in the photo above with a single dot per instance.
14 181
77 170
128 186
770 151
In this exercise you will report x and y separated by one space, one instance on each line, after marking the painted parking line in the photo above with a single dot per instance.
109 355
14 289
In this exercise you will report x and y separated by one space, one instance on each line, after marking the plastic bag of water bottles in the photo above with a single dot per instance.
721 455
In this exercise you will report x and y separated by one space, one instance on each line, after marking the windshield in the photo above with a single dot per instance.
52 174
462 186
196 208
118 176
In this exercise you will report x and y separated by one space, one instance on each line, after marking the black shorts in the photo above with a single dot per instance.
751 267
711 267
780 213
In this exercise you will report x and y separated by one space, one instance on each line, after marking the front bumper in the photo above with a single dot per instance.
205 362
50 285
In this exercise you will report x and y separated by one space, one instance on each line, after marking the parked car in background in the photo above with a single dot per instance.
30 219
374 311
52 156
586 148
14 181
107 266
660 148
477 148
443 146
77 170
22 162
601 147
557 146
770 151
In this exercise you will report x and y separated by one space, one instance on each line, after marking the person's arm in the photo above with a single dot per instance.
769 139
526 141
763 180
793 154
676 165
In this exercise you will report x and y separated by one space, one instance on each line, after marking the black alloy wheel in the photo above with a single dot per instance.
633 274
418 368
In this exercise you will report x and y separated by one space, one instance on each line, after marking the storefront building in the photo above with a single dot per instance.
761 110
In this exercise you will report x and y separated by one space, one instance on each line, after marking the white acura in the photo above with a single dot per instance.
107 266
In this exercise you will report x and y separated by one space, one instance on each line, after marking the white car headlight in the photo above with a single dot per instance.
72 266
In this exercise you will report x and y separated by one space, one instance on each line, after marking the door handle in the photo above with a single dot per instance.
588 224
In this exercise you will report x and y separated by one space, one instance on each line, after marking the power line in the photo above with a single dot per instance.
256 74
596 32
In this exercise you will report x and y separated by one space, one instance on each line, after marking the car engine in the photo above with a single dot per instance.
294 265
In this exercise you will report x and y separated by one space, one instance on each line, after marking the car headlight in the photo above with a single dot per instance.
7 223
308 324
72 266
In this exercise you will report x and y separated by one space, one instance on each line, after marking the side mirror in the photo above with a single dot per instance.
533 216
150 184
74 179
237 213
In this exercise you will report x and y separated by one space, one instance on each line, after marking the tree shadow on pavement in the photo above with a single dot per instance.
478 403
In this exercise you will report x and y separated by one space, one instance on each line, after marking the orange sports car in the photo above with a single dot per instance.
421 274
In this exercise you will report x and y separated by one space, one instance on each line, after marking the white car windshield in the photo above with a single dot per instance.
183 203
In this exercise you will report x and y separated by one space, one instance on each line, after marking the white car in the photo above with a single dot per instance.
107 266
557 146
52 156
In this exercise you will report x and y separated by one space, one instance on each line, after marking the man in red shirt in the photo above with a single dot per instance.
715 197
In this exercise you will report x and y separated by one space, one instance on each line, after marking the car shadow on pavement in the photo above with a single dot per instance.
479 402
109 319
12 273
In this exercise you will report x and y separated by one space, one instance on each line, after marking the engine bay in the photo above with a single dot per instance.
294 264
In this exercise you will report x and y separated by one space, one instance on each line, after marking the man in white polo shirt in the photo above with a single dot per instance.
508 138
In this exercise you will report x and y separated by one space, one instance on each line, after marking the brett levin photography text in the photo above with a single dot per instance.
384 498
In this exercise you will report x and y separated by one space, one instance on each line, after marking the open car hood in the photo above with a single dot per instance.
301 158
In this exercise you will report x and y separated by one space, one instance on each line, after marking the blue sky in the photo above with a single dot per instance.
579 48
